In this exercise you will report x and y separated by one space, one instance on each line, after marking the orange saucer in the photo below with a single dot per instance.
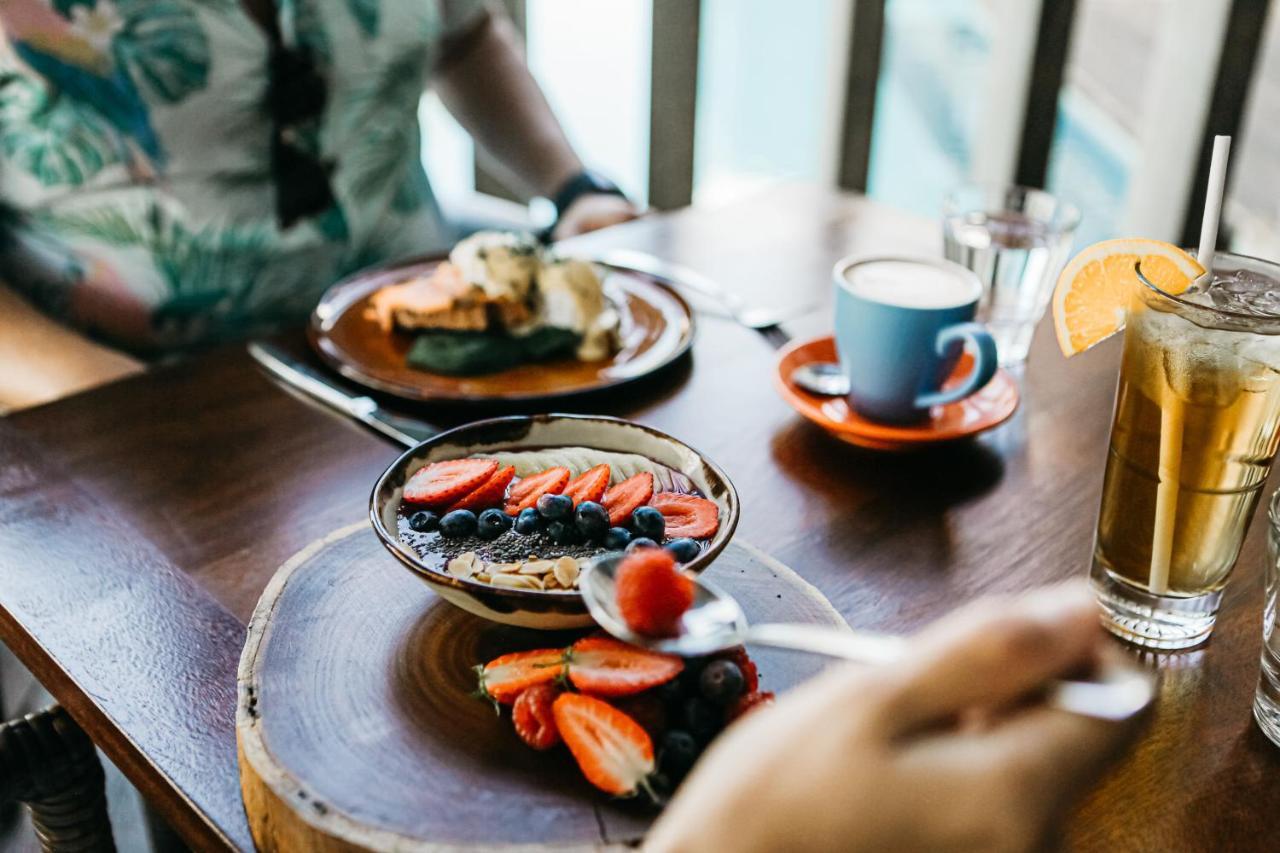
988 408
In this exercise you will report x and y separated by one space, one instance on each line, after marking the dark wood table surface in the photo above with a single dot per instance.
139 522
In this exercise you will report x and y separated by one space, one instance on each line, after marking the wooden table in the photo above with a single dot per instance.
140 522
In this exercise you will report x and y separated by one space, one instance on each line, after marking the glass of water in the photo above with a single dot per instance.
1266 703
1017 240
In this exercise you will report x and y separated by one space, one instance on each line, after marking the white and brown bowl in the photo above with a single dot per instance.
541 609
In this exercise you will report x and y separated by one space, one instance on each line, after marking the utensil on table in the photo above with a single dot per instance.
716 622
683 278
821 377
307 380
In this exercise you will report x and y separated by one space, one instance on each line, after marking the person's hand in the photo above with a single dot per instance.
592 212
939 751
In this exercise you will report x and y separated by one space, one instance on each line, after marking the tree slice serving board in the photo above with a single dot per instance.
357 728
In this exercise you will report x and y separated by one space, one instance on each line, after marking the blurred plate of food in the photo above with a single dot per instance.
499 319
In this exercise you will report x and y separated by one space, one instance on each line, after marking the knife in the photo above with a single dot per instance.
683 278
314 384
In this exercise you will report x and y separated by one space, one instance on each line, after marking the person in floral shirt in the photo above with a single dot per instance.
175 173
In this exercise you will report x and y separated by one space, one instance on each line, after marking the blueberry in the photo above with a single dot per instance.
459 523
677 751
424 521
671 693
647 521
683 550
562 533
616 538
492 523
528 522
661 787
641 542
701 719
591 519
555 507
721 682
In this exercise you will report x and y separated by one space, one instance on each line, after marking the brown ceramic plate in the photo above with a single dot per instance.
657 328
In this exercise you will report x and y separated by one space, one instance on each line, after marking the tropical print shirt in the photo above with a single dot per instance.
135 146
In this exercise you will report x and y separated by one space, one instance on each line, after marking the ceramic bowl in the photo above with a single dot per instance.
551 609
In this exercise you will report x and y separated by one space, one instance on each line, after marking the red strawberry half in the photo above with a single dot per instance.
489 493
589 485
612 750
603 666
525 492
533 718
503 679
652 595
441 483
687 515
626 497
746 703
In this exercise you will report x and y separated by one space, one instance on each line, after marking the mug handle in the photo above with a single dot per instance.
984 363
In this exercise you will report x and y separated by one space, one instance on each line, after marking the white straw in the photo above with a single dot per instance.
1213 201
1171 412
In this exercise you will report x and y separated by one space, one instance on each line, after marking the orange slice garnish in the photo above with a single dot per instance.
1093 291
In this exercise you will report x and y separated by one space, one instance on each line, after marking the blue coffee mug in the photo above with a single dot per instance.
901 324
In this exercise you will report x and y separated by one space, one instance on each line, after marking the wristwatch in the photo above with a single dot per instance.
585 182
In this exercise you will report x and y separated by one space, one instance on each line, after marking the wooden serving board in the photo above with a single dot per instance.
357 728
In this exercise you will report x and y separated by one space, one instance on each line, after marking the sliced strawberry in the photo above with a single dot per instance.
533 718
612 750
526 491
687 515
747 702
441 483
603 666
624 498
750 674
589 485
503 679
652 595
489 493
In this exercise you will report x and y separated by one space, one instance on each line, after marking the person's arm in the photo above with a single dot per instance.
941 751
41 360
484 82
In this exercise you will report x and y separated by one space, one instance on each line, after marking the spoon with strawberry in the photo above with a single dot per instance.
641 598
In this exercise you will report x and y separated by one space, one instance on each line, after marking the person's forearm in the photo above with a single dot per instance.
490 91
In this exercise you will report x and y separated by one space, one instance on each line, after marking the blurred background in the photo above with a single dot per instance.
1108 103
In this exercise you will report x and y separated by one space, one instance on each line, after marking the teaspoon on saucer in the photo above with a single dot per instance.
821 377
716 622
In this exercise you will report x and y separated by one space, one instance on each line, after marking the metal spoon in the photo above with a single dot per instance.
822 377
716 622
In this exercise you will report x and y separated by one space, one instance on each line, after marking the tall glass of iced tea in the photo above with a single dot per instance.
1196 426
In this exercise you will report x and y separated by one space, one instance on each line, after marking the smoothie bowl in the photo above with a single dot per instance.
500 516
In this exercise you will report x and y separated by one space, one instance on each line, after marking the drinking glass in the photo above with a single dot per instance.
1195 429
1017 240
1266 702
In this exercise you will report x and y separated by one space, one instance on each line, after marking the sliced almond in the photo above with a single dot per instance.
483 577
463 565
517 581
566 571
550 582
503 568
537 567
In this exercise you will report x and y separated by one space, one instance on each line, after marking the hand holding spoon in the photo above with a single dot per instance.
716 622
